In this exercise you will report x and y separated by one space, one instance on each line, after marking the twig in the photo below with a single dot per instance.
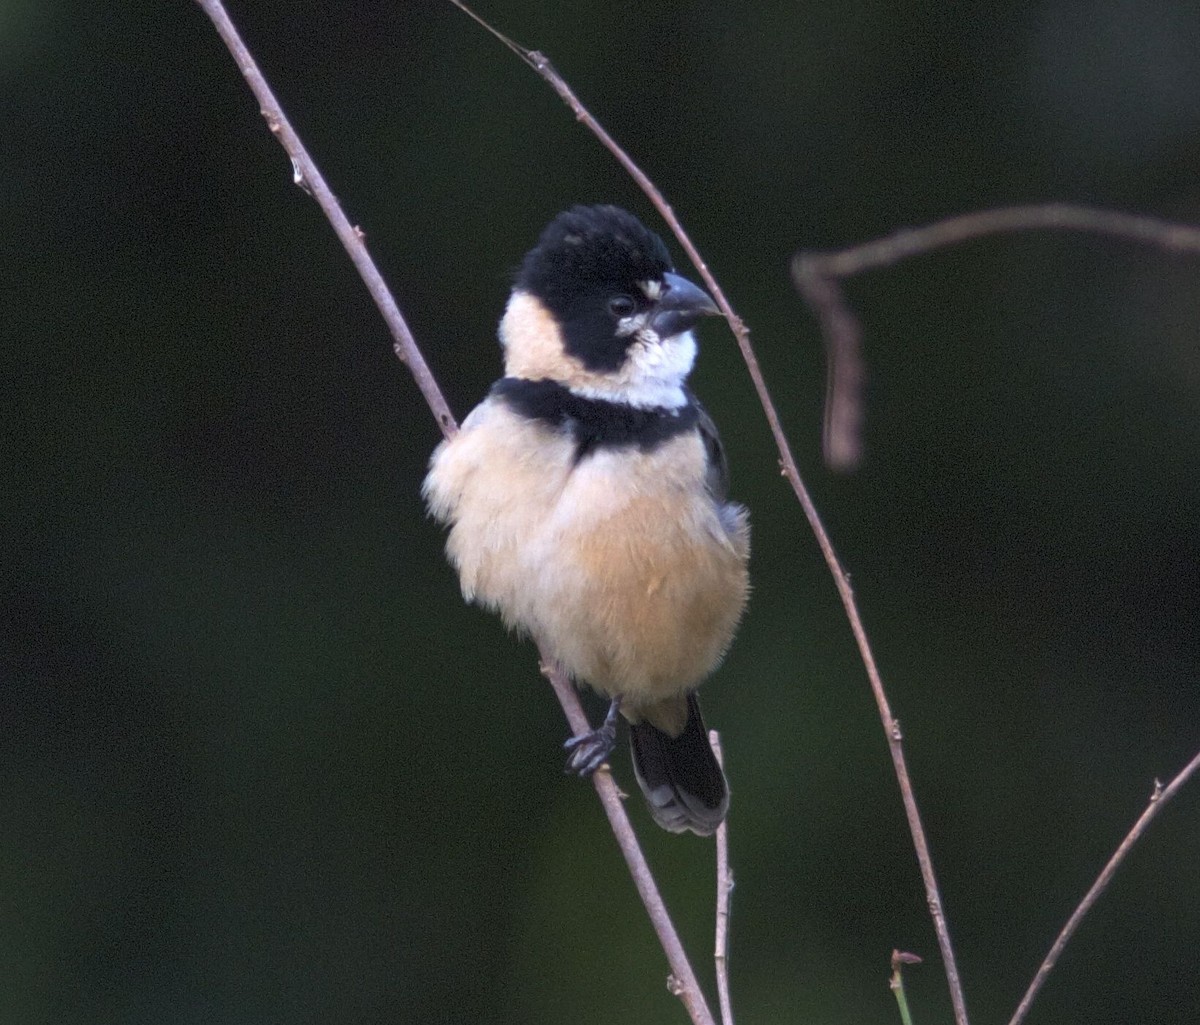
682 982
845 371
816 276
1158 798
541 64
309 177
724 891
896 983
900 245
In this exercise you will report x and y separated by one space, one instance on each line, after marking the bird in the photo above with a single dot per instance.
587 500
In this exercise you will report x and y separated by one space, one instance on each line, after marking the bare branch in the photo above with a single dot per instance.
816 276
1158 798
309 177
907 242
845 372
896 983
724 891
683 982
541 64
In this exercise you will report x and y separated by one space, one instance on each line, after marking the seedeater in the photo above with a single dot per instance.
586 499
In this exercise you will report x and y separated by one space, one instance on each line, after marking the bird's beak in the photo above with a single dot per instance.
680 306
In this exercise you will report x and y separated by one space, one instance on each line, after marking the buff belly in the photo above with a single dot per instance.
621 566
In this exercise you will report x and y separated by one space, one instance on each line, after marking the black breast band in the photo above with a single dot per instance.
595 423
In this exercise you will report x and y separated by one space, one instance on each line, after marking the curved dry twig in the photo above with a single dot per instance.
1158 799
541 64
309 177
683 982
816 276
724 893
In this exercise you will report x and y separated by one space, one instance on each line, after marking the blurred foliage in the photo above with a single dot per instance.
259 762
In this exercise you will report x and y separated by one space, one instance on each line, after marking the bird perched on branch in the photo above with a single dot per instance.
586 499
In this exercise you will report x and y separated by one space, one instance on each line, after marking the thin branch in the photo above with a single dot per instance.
1158 799
724 891
816 276
845 370
309 177
907 242
682 982
896 983
541 64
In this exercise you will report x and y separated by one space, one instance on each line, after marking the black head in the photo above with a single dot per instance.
607 279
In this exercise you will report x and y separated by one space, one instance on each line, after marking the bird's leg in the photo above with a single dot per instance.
590 750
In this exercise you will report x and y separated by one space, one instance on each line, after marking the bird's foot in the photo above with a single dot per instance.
591 750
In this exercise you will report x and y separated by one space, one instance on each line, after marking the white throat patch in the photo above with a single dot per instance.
652 375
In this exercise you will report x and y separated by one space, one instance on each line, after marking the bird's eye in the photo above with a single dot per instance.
621 306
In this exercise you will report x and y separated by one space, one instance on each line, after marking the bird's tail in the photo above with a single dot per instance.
684 786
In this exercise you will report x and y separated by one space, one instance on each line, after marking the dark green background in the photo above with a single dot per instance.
258 762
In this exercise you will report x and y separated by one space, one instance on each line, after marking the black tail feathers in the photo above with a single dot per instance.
684 786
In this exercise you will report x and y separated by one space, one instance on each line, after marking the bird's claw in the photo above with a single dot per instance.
590 750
